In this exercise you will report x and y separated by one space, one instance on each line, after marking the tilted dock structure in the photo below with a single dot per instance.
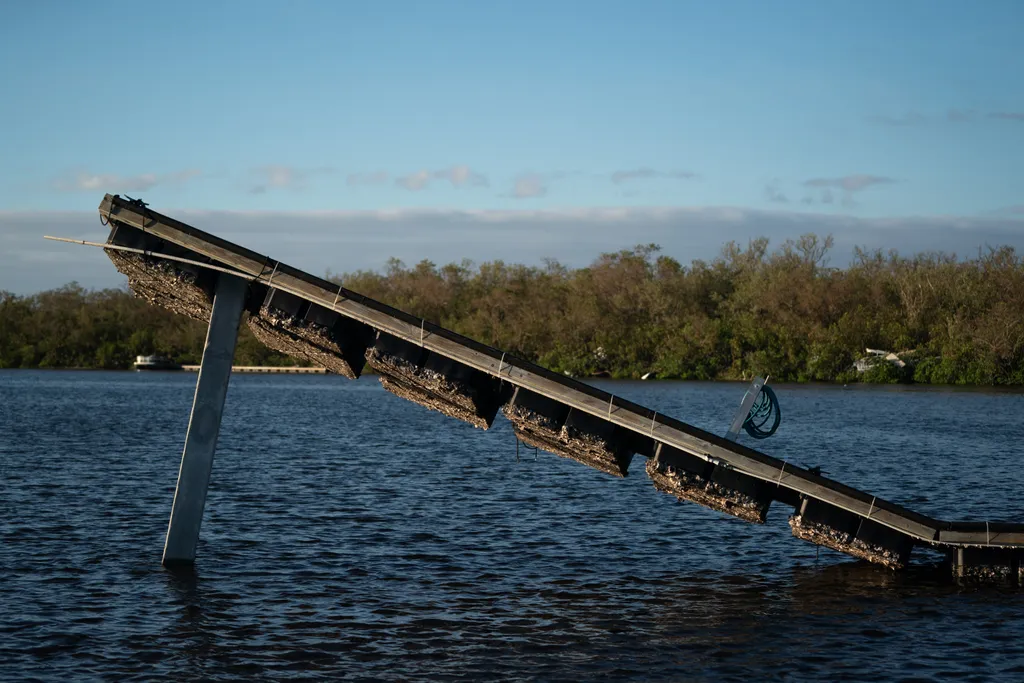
207 278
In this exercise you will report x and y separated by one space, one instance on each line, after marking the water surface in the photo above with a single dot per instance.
352 535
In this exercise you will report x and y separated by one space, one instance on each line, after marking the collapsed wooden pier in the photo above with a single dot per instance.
204 277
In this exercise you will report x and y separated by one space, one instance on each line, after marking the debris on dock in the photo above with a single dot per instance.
433 381
691 478
292 326
542 423
838 529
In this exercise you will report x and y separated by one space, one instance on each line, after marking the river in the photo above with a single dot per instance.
350 535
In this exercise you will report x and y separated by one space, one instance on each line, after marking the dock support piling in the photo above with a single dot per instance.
204 422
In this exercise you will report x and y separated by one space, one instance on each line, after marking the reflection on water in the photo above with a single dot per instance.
351 534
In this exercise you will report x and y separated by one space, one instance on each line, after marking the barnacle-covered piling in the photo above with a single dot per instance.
596 442
834 528
987 564
179 287
537 420
297 328
991 573
546 424
688 477
433 381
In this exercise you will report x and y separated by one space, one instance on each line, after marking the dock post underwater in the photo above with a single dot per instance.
204 422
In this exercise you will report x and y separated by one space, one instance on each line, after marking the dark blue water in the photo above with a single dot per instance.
352 535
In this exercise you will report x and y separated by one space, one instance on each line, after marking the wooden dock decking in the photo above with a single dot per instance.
319 321
266 369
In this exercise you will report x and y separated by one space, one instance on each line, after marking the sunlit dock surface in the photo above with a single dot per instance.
267 369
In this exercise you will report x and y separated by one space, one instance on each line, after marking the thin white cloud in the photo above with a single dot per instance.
619 177
457 176
849 186
85 181
960 115
349 240
277 176
415 181
374 178
911 118
849 183
529 185
280 176
915 118
462 175
773 194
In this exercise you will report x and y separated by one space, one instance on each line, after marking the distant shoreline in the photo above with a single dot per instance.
998 388
885 319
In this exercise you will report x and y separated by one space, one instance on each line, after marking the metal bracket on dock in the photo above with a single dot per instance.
759 413
744 410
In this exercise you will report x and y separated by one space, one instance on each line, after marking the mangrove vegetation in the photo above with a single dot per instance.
753 310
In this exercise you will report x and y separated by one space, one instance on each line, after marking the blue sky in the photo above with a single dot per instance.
865 115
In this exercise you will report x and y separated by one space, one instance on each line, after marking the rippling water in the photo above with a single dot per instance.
350 534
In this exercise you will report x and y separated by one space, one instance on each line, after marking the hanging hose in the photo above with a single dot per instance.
765 409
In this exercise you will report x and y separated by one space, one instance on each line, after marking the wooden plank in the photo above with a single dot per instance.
518 372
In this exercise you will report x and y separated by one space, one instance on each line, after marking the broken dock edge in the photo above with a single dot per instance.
178 267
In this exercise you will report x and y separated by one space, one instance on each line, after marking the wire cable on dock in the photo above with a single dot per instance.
152 254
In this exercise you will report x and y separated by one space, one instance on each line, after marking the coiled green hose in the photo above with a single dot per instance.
765 408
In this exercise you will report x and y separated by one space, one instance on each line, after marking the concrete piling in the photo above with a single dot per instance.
204 422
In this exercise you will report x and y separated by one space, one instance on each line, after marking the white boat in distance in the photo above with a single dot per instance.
155 363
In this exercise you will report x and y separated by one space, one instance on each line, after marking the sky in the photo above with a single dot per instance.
334 135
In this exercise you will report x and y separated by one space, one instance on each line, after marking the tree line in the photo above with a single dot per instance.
72 327
752 310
